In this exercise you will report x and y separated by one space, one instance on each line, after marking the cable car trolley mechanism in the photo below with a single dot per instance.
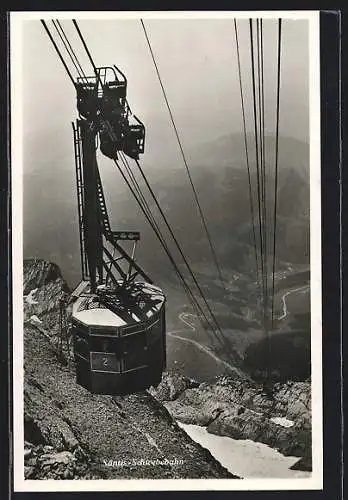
101 99
118 314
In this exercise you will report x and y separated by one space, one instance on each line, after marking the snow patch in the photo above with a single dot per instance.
151 441
35 319
284 422
245 458
29 298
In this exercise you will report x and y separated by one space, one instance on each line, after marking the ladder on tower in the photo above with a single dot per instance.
80 198
115 258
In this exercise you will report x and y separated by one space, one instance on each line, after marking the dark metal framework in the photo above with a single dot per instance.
103 259
104 113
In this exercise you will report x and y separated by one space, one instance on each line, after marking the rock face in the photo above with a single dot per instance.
38 272
241 410
171 386
71 433
45 462
44 288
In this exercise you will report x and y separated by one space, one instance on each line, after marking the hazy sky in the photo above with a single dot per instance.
198 65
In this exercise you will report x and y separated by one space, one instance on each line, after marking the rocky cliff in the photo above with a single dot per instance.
70 433
242 410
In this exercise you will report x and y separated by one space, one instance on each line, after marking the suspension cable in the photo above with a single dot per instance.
200 210
96 72
264 143
141 200
262 179
246 151
58 52
276 167
261 185
160 238
258 71
263 188
196 306
191 297
257 148
68 48
177 244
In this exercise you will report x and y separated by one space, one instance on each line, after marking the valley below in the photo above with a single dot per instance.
237 310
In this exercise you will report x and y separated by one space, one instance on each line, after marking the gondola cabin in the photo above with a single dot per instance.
118 337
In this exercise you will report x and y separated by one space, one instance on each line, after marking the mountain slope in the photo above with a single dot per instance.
71 433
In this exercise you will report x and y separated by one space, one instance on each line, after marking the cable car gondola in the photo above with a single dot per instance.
118 316
118 337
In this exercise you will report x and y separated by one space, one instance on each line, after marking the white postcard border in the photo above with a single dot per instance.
315 481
